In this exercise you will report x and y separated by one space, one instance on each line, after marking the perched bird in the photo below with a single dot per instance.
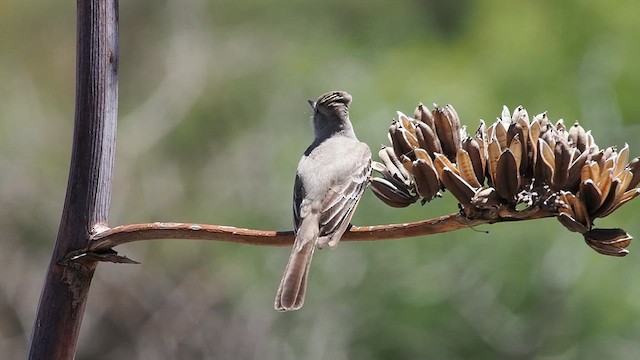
331 177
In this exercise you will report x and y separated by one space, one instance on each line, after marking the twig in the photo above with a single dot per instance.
119 235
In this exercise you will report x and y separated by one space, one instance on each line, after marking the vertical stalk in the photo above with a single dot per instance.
86 206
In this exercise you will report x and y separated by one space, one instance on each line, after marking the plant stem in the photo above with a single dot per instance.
86 206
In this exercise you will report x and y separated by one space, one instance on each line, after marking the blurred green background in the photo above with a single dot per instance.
213 120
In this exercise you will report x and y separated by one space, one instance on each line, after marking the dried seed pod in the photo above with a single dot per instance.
546 162
422 114
598 158
426 178
393 166
507 176
634 167
520 114
625 178
605 184
621 160
491 132
579 209
572 224
390 194
575 169
590 170
505 116
481 138
423 154
400 143
481 132
522 119
501 134
456 127
512 131
535 129
515 146
457 186
407 163
621 200
578 137
447 132
409 138
478 159
520 130
549 137
606 155
608 166
441 162
544 122
406 122
534 135
465 167
591 143
494 154
562 155
608 241
590 194
609 200
427 139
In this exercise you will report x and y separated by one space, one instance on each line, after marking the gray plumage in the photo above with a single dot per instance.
331 177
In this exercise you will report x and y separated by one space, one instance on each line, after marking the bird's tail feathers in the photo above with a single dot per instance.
293 285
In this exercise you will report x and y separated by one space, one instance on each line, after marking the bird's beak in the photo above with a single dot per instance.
312 103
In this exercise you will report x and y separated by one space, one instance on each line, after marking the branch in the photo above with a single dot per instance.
64 295
123 234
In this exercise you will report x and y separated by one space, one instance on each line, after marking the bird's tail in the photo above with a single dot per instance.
293 285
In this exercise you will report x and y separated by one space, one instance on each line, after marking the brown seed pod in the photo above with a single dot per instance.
478 159
390 194
579 209
546 162
457 186
427 139
562 155
400 143
441 162
608 241
393 167
426 178
448 131
575 169
406 123
507 177
590 194
634 167
572 224
621 160
578 137
492 165
422 114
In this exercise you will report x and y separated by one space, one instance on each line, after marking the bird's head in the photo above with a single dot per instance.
331 110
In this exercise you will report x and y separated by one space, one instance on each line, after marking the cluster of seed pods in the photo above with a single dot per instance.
514 161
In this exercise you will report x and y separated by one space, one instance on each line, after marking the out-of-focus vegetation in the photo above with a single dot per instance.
213 119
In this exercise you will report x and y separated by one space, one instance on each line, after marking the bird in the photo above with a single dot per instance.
331 177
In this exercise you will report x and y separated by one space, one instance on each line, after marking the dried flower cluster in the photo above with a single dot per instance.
515 168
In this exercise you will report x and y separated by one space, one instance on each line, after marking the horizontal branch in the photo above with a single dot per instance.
119 235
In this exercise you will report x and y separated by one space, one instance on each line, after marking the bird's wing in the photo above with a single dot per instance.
299 193
340 203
